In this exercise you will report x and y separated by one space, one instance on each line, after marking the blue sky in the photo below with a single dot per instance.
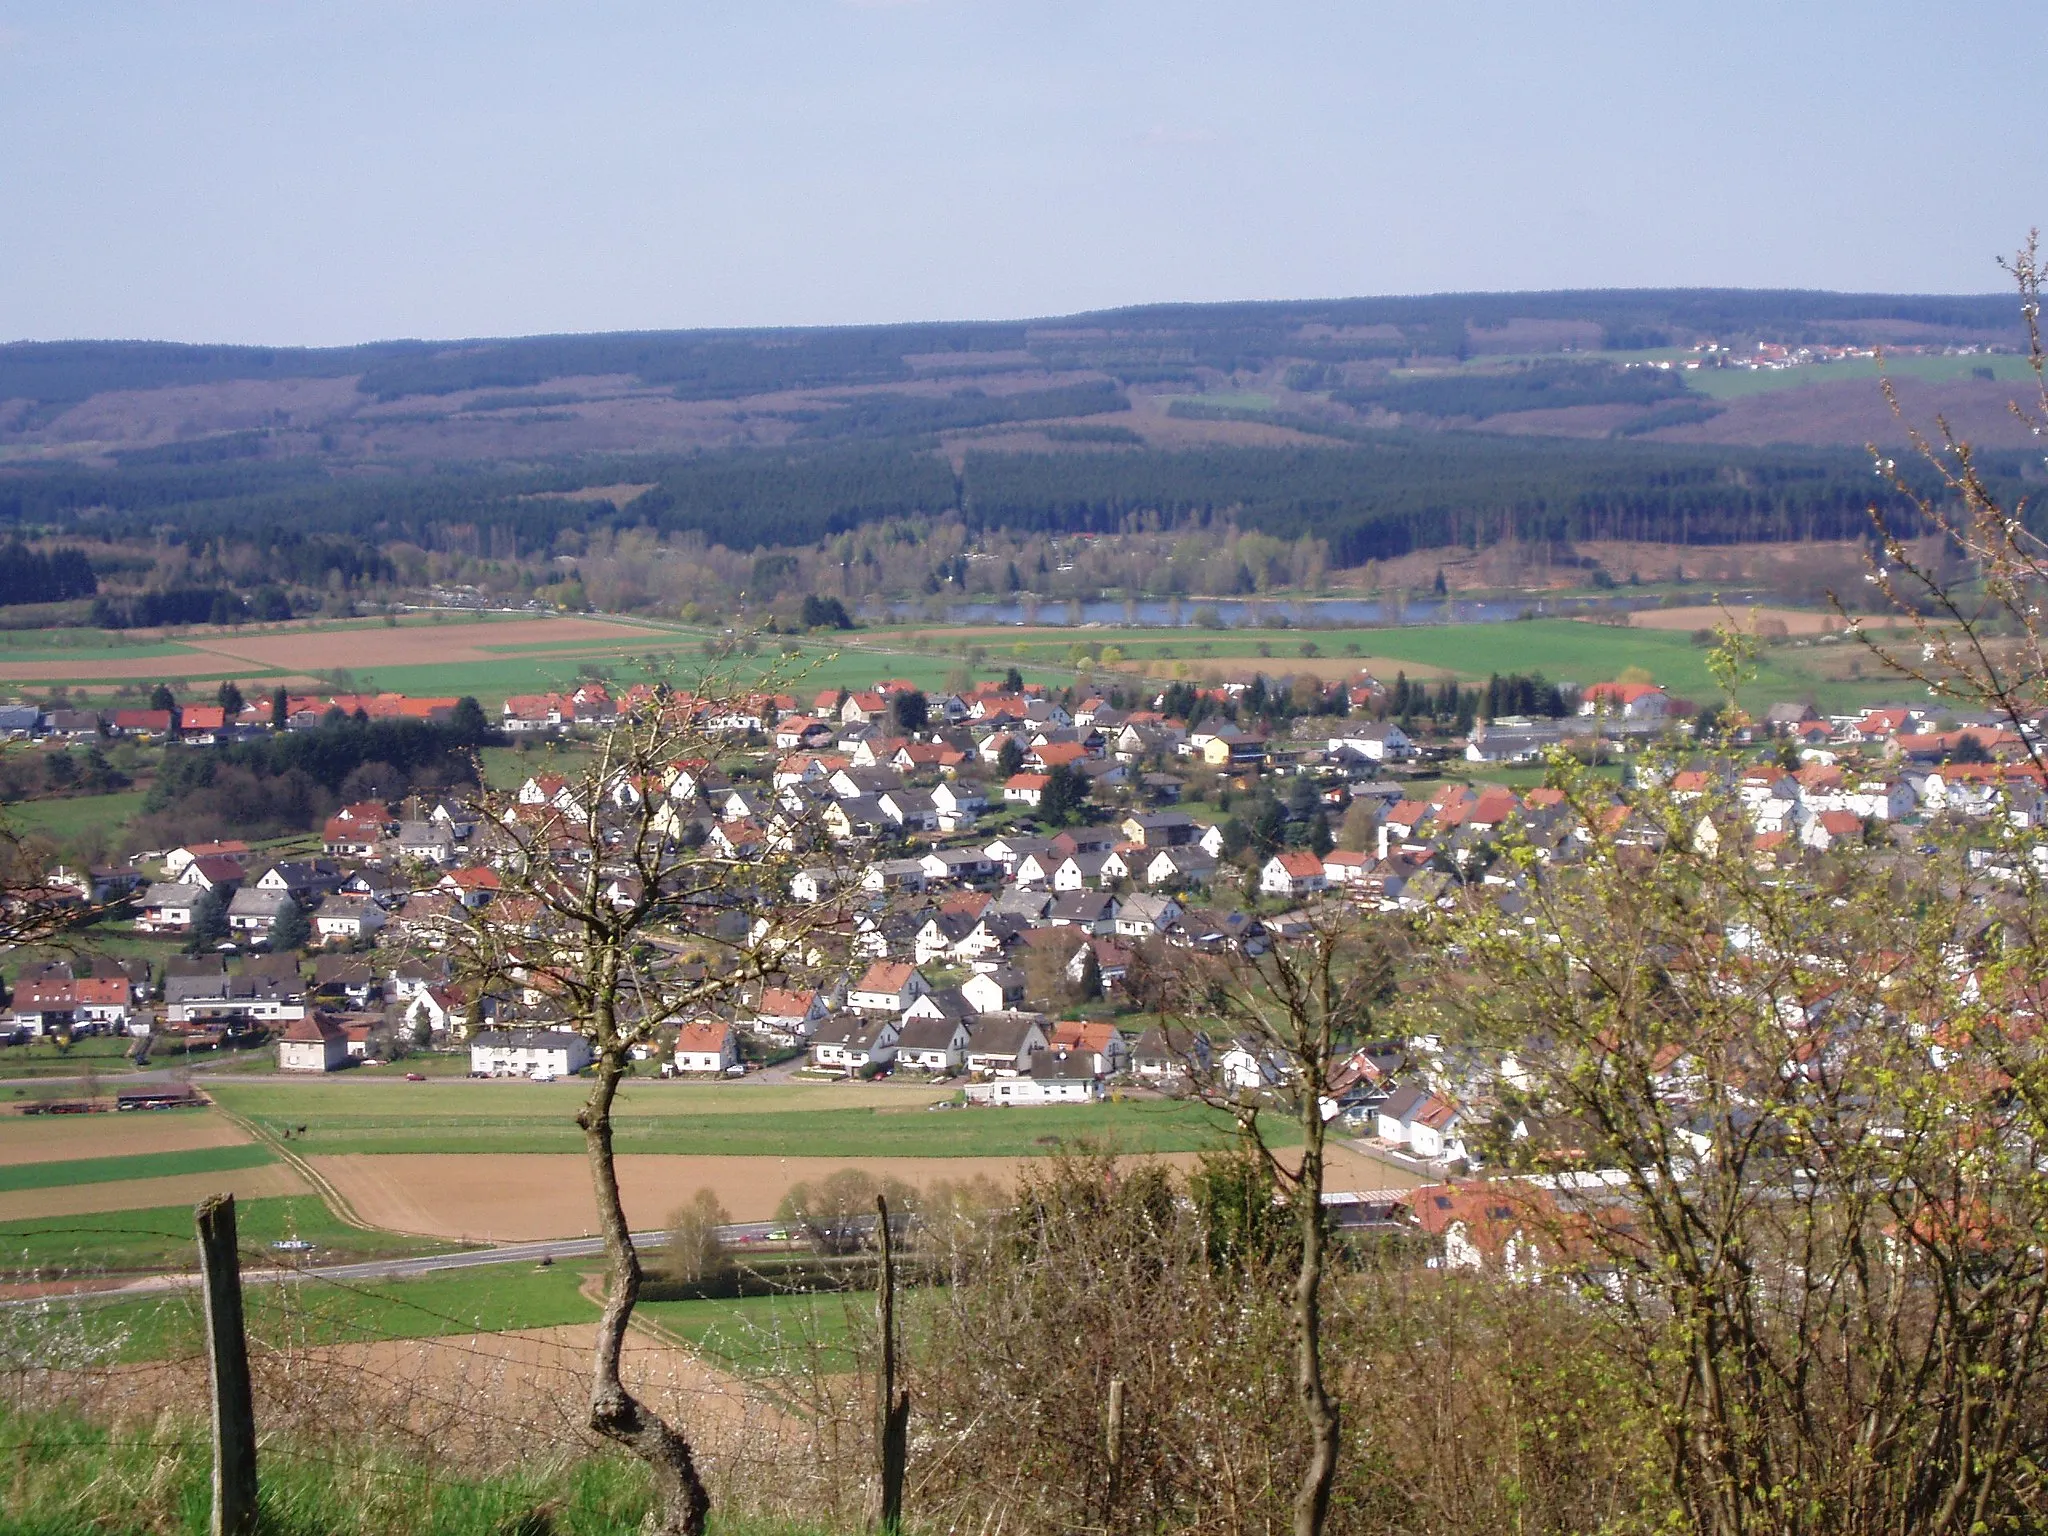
322 173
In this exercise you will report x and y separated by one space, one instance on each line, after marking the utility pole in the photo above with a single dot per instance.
227 1353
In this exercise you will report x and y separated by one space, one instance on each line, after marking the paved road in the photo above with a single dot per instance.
551 1250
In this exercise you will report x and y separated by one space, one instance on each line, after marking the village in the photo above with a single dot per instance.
1015 859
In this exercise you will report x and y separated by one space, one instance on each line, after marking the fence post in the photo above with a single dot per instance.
227 1353
892 1404
1116 1448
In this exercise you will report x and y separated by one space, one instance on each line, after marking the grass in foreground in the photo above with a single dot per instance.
762 1335
690 1121
69 1476
313 1312
161 1238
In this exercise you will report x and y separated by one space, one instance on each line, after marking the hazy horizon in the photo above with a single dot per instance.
326 175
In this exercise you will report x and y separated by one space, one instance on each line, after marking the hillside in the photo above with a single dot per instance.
1381 425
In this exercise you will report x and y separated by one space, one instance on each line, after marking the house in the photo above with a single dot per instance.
1054 1077
442 1008
1630 701
1168 1055
1292 875
167 908
215 872
708 1046
1429 1126
1484 1225
426 842
262 996
887 986
179 859
1176 868
1025 788
994 991
254 912
346 920
1831 827
1382 742
789 1013
1106 1048
936 1045
140 722
302 878
1161 829
1090 911
1248 1065
528 1053
1142 915
350 977
102 1002
317 1043
1004 1043
849 1043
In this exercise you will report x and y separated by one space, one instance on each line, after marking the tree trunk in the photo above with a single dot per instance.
681 1503
1312 1497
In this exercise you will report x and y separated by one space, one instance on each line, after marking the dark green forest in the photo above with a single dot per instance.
1377 496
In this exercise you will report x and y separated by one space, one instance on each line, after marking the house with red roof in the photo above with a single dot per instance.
1292 875
1630 701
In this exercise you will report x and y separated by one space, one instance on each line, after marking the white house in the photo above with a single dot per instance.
887 986
849 1043
932 1045
345 919
706 1046
790 1013
1292 874
1054 1077
528 1053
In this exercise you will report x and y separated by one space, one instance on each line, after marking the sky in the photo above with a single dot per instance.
308 173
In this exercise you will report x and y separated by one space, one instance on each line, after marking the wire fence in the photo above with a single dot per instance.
456 1373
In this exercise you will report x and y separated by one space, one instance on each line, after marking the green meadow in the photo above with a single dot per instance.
696 1119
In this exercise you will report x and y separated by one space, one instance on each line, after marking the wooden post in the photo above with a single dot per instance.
892 1405
227 1351
1116 1448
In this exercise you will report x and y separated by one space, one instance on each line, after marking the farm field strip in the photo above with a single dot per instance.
111 1170
137 1194
528 1197
26 1139
159 1238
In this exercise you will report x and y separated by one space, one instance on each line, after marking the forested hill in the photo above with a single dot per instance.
1135 344
1381 425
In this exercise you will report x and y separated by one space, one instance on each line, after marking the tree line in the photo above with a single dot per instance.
44 576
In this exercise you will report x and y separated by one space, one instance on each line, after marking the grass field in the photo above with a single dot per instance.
1563 650
63 820
1734 383
757 1335
111 1170
158 1239
688 1120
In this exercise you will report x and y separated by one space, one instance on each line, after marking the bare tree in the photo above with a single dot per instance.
615 918
1294 1011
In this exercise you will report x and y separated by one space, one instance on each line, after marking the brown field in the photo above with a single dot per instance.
1797 621
57 1139
301 651
144 1194
490 1398
523 1197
